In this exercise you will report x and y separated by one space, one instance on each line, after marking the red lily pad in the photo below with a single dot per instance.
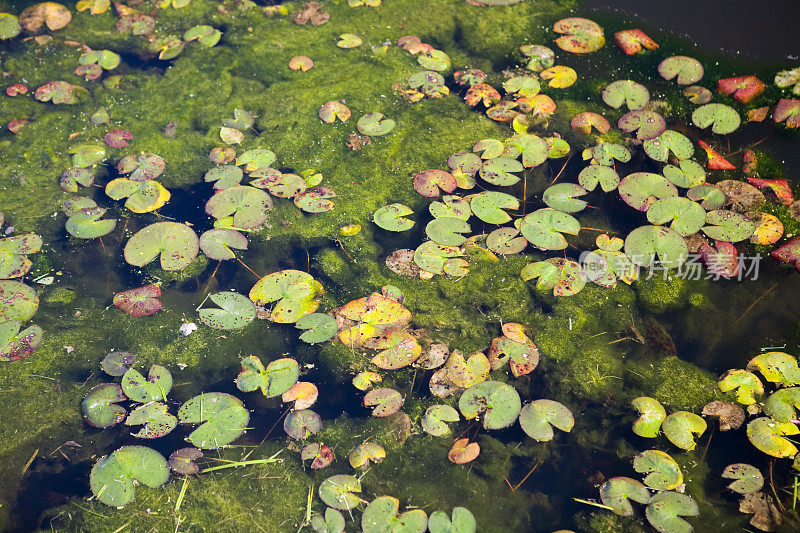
580 35
141 301
384 401
721 260
428 182
482 93
715 159
789 111
743 88
647 124
183 461
584 122
118 138
789 253
632 41
463 451
319 454
781 188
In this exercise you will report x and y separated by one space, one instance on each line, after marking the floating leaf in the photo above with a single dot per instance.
541 57
645 242
382 515
539 417
303 63
436 417
776 367
563 276
446 231
698 95
204 34
152 389
632 41
769 436
787 111
385 401
302 393
544 227
112 476
154 417
100 406
217 243
489 205
781 188
663 473
297 293
559 76
593 175
278 377
617 491
686 70
13 263
301 424
365 380
61 92
731 416
605 153
366 453
141 301
746 383
224 176
246 204
9 26
463 451
641 189
665 509
17 301
646 123
766 515
451 206
235 311
506 241
585 121
728 226
722 118
748 479
177 244
315 199
651 414
626 92
562 196
143 197
580 35
375 124
349 40
463 521
337 492
141 167
118 138
681 427
428 182
318 328
332 110
743 88
684 216
320 456
499 403
469 77
688 174
432 59
789 252
117 363
182 461
669 141
222 419
532 149
710 196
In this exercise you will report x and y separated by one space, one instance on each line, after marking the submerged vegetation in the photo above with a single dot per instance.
499 247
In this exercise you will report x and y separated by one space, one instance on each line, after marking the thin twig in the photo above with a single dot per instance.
753 305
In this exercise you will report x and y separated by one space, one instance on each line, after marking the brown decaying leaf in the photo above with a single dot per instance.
731 416
766 515
311 12
357 142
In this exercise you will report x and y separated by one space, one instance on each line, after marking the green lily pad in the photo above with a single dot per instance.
433 257
61 92
782 404
429 83
464 166
626 92
70 206
489 205
17 301
337 492
177 244
506 241
74 176
105 58
301 424
562 196
748 479
532 149
315 199
141 167
112 476
686 70
100 406
522 85
279 375
217 243
143 196
154 417
463 521
663 473
746 384
88 223
651 414
687 174
683 215
538 418
9 26
256 160
222 417
605 153
670 141
447 231
722 118
776 367
235 311
641 189
297 294
499 403
13 263
385 401
434 422
593 175
332 522
390 217
579 35
434 59
382 515
489 148
500 171
204 34
428 182
152 389
246 204
564 276
451 206
374 124
318 328
769 435
541 57
709 196
279 184
224 176
618 491
365 454
544 227
643 244
728 226
646 123
665 510
681 427
117 363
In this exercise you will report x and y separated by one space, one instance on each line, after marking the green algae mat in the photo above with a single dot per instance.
365 265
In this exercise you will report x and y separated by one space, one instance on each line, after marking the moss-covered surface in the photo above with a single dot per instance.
599 349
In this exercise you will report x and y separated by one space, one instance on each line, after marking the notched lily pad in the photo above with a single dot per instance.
154 417
498 403
222 419
154 388
748 479
112 476
235 311
100 406
276 378
301 424
681 428
177 244
539 417
139 302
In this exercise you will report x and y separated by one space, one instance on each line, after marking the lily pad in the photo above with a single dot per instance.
506 241
278 377
143 196
100 406
728 226
697 94
332 110
643 244
748 479
681 427
521 85
154 417
579 35
247 205
365 454
297 294
315 199
463 521
489 206
139 302
320 456
88 223
731 416
384 401
9 26
141 166
182 461
626 92
605 153
668 142
374 124
663 473
463 451
61 92
563 197
788 112
13 263
538 418
318 328
222 419
722 118
683 215
235 311
646 123
776 367
382 515
665 510
642 189
428 182
543 228
177 244
74 176
499 403
769 435
337 492
593 175
301 424
585 121
559 76
217 243
447 231
617 491
434 422
710 196
564 276
743 88
117 363
532 149
303 393
152 389
746 384
451 206
112 476
632 41
17 301
541 57
687 174
224 176
685 70
206 35
433 59
651 414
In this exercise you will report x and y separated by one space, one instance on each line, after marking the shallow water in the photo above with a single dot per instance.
590 357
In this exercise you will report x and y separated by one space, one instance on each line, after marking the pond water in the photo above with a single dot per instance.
542 383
